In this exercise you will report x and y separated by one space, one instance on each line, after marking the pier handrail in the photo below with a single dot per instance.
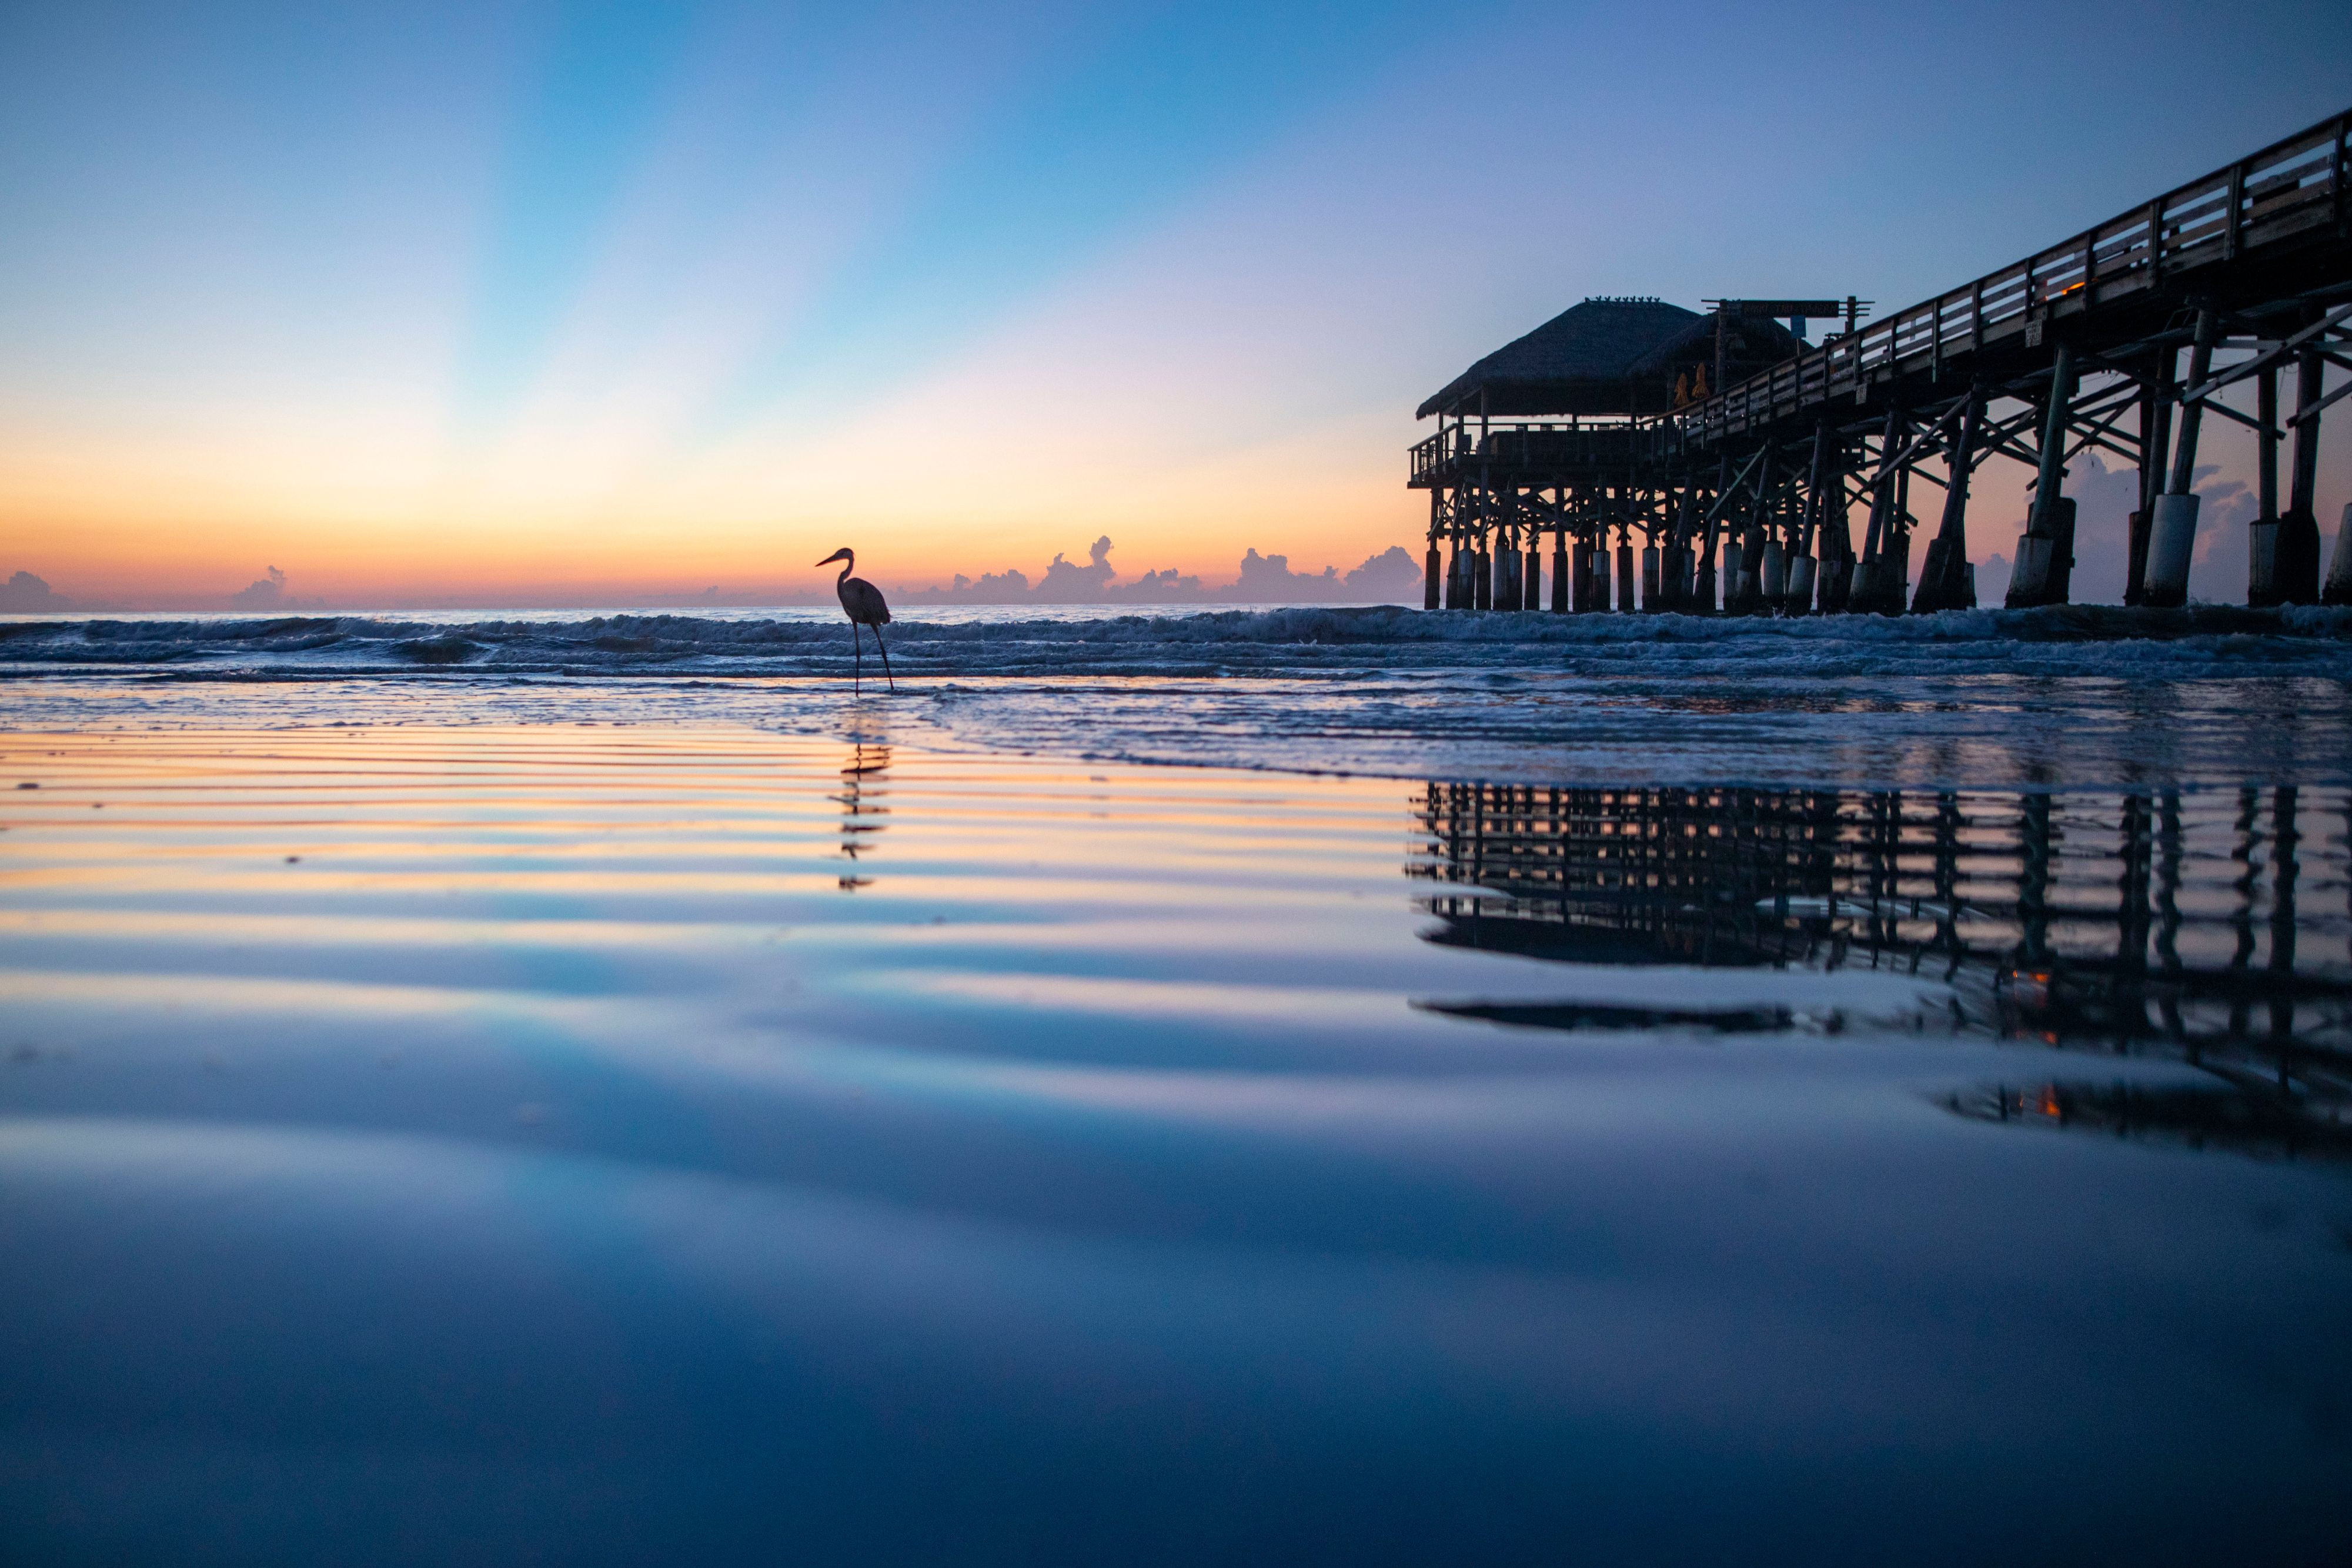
2286 190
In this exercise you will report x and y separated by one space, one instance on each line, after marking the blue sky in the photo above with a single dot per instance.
460 301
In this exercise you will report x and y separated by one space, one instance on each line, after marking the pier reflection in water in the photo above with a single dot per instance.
2207 927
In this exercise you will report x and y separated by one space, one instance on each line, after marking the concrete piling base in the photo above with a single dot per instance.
2172 541
1799 599
2297 560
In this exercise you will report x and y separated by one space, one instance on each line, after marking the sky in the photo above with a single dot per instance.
551 304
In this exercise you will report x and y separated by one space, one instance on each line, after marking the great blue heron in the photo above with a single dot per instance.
862 603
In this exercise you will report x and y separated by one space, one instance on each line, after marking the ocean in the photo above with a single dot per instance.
1285 1084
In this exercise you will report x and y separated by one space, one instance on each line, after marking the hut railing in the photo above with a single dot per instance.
1530 444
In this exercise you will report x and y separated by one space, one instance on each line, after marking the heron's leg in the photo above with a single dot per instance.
886 659
858 668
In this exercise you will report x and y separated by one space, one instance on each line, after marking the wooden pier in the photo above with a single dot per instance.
1716 462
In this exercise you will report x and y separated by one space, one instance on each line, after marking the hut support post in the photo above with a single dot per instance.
1676 567
1505 562
1482 570
1454 580
2172 537
2045 554
1430 565
1560 576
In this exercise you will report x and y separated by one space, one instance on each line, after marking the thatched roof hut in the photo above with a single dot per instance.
1609 356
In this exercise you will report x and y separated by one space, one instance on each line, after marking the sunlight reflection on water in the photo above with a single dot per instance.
695 1142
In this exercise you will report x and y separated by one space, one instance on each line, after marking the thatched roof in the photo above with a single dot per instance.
1756 343
1606 356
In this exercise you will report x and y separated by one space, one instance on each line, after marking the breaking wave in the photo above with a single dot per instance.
1299 642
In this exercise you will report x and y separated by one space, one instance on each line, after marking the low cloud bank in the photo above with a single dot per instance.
24 593
1391 576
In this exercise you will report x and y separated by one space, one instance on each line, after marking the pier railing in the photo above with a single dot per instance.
2253 206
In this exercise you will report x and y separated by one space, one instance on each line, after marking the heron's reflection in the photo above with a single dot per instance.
861 798
2153 923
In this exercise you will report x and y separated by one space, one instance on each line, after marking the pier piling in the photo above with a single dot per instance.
2173 541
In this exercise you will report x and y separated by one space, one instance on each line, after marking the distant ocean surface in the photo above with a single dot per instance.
2085 695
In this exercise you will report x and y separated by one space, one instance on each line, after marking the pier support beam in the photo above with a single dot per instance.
2261 534
2045 553
1870 592
1560 580
2298 532
1835 545
1944 581
2155 441
2172 539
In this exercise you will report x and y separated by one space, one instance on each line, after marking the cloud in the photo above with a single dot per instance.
1992 580
1068 583
269 592
1394 575
24 593
2104 499
1391 576
262 593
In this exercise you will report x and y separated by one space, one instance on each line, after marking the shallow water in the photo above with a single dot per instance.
2067 697
694 1142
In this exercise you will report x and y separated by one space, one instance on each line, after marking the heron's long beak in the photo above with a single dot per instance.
837 555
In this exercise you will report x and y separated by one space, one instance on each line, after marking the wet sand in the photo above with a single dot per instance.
690 1142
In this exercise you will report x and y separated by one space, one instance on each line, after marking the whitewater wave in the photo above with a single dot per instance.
1298 640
